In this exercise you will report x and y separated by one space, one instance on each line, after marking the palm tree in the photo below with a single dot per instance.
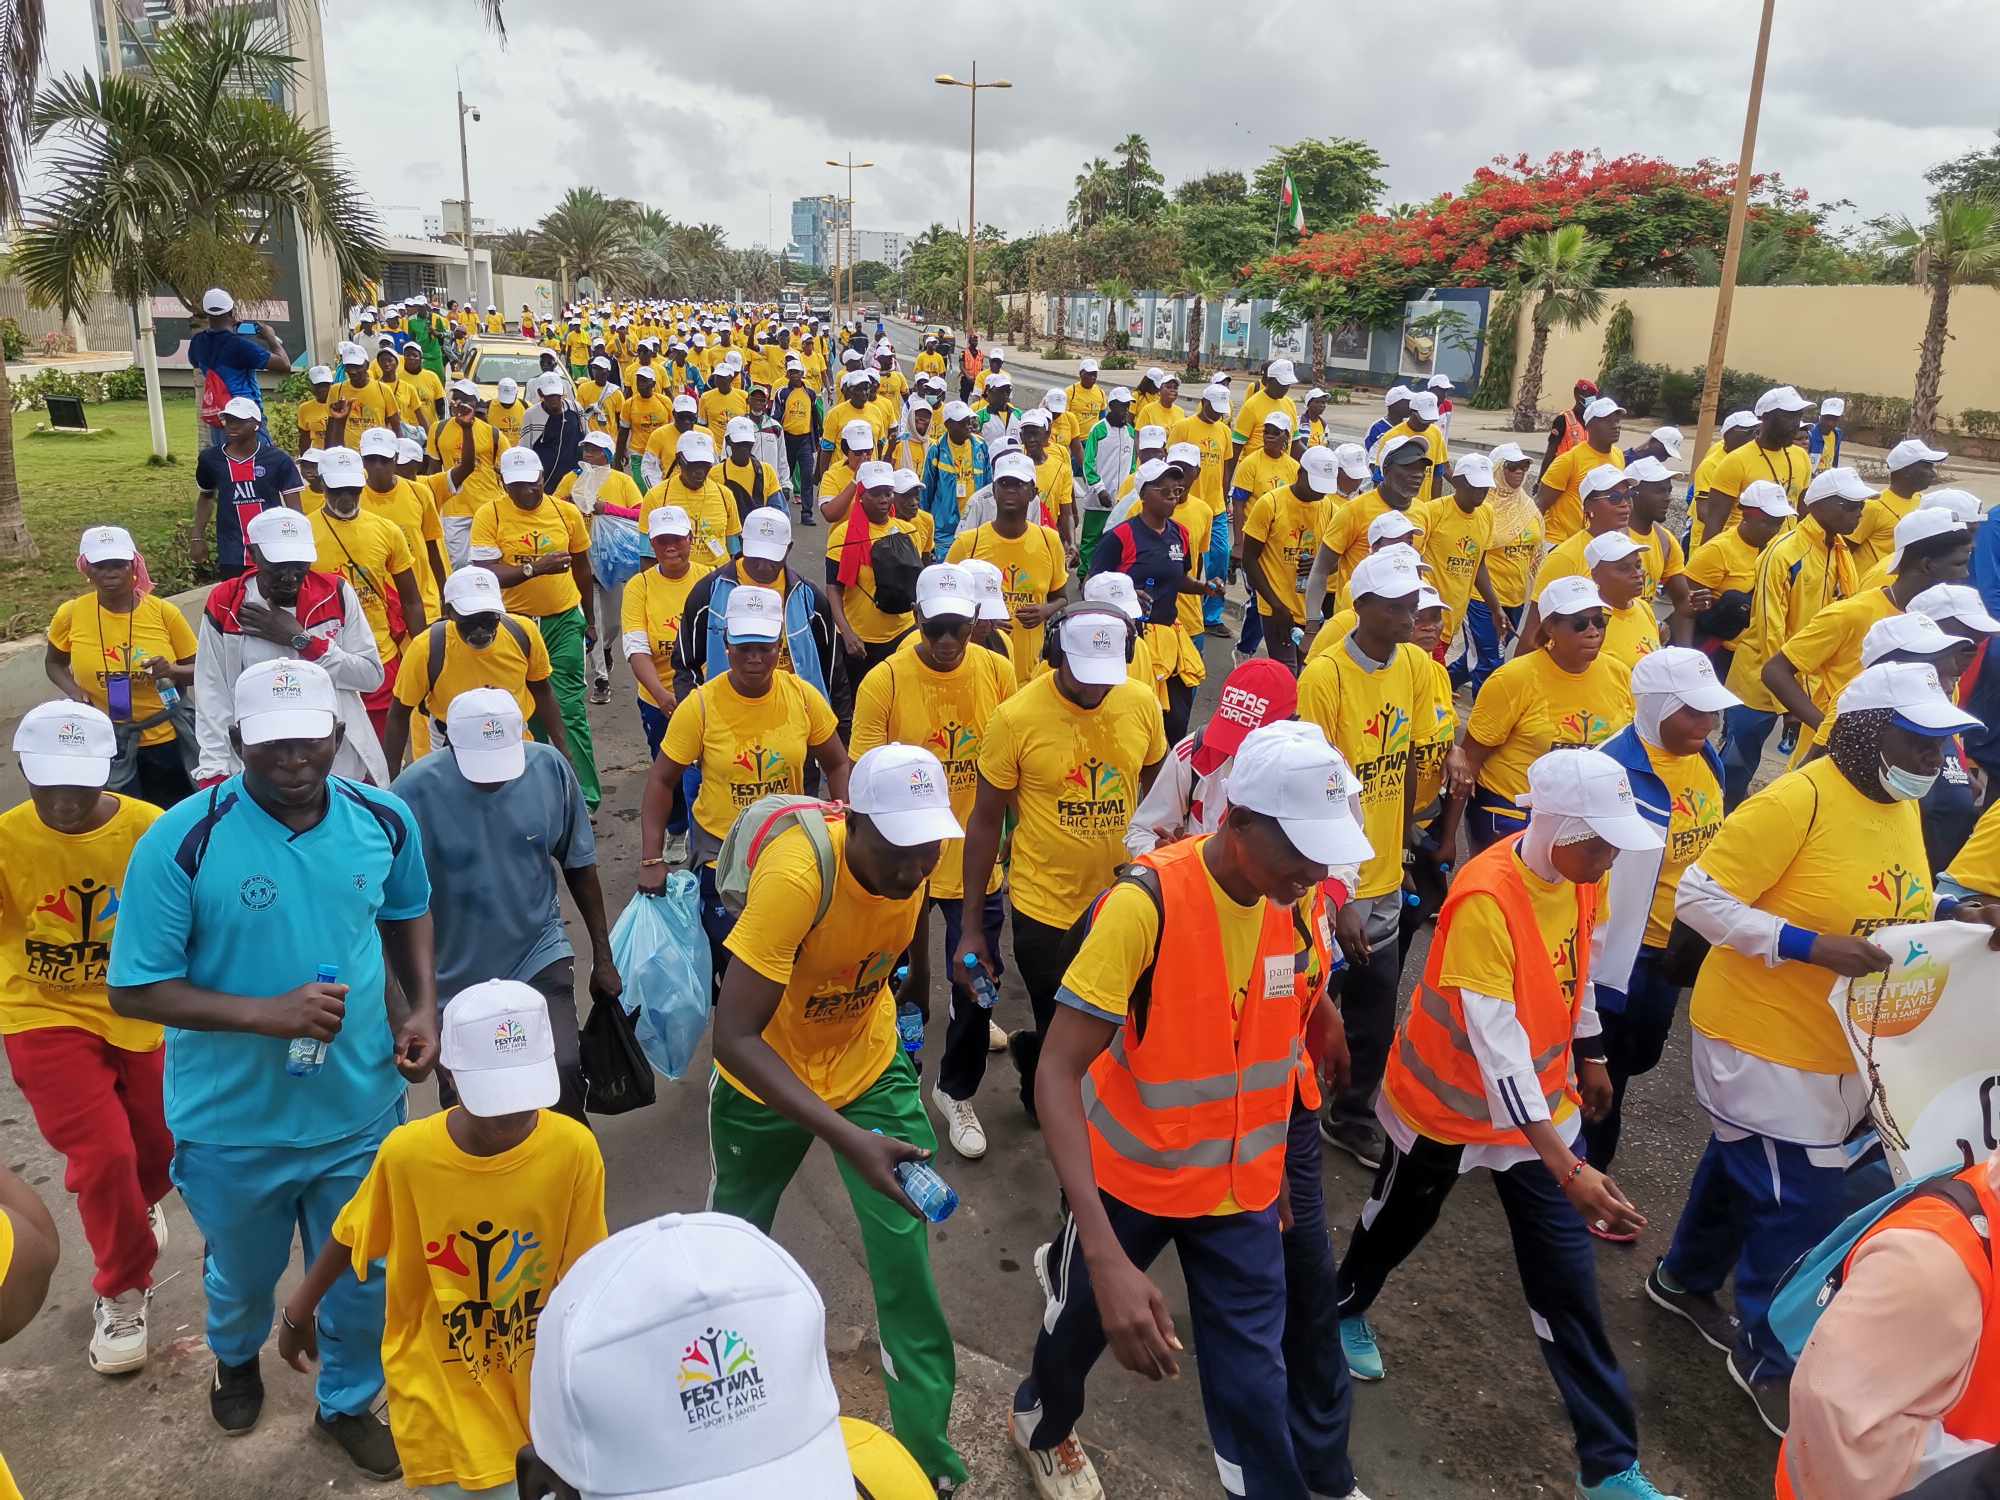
1559 272
588 234
22 25
1205 286
1762 261
1960 247
1116 291
1135 171
1096 191
178 172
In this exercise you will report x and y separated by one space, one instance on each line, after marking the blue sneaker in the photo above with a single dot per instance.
1364 1357
1630 1485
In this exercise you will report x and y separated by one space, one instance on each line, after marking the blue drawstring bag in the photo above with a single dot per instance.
618 551
662 955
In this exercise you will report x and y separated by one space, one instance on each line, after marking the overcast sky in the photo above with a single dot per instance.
725 112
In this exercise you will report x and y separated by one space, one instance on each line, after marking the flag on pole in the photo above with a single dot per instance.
1288 199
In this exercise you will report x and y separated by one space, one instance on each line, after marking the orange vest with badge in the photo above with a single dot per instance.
1975 1417
1189 1105
1433 1077
1319 954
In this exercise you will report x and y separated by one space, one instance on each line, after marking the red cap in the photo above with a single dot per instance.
1257 693
1586 388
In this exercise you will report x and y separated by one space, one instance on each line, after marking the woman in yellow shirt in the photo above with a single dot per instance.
1510 560
1564 694
123 651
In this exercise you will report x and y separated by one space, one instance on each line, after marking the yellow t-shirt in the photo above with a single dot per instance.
1564 518
1075 773
1530 706
507 420
429 388
411 509
835 1026
368 551
100 645
1694 817
489 441
1797 576
312 422
370 405
745 477
716 408
837 418
746 747
644 416
600 402
651 620
504 665
1199 522
1434 740
873 626
1630 633
495 324
1257 473
1789 466
1813 851
58 909
883 1468
1333 632
1153 412
1248 427
1977 867
1216 446
903 701
1510 555
474 1245
1371 718
1874 535
1827 655
1453 544
1661 560
1346 533
504 532
1433 487
1032 568
409 399
711 508
1725 562
1086 403
1054 484
1289 528
793 406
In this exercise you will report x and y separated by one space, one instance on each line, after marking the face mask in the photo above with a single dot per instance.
1904 786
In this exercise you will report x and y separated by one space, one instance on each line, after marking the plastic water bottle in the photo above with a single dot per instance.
170 696
984 990
935 1198
307 1055
910 1026
1298 637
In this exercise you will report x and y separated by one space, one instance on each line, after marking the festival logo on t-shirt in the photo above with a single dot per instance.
1384 753
1579 730
68 937
1697 815
1900 895
957 746
504 1279
718 1379
763 771
1562 958
1092 801
848 996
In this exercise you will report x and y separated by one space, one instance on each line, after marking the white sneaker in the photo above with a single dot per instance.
968 1136
1063 1472
118 1345
156 1217
676 851
1353 1494
996 1037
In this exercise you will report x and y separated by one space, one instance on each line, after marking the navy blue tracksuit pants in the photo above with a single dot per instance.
1558 1271
1234 1266
1319 1398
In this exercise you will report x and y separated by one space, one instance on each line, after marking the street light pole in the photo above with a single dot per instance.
852 166
972 86
465 203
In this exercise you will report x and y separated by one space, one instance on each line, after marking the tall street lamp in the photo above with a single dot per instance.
852 166
465 206
972 86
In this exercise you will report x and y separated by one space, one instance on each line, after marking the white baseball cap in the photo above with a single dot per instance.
1281 371
1424 406
1322 469
1911 451
1115 589
243 409
954 411
875 475
107 544
1961 503
1768 496
474 591
1911 690
283 699
754 614
1315 394
905 480
1842 483
685 402
1648 470
1590 785
66 744
1186 455
1353 460
494 1039
1093 646
602 440
378 442
1117 394
995 353
740 430
1601 406
946 589
410 451
1917 634
1684 673
1476 469
1781 398
1390 525
465 388
1921 524
1738 419
552 384
1833 406
1396 393
1155 374
1613 546
1439 383
1670 439
1602 478
520 465
1289 772
750 1408
1014 465
669 520
1507 453
1277 416
283 535
857 434
767 534
1217 396
1387 576
1054 399
216 301
695 446
1957 602
484 726
902 790
988 589
320 375
1569 596
507 390
601 359
1037 416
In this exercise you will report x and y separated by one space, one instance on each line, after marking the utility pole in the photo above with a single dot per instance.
1725 294
972 86
113 21
847 255
465 187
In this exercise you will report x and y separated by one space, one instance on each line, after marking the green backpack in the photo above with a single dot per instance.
762 821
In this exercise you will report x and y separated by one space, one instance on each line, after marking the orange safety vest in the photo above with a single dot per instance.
1315 934
1193 1108
971 362
1572 431
1433 1077
1976 1416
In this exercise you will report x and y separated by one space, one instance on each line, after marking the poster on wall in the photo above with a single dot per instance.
1233 338
1290 344
1166 324
1417 350
1347 346
1094 328
1078 317
1133 322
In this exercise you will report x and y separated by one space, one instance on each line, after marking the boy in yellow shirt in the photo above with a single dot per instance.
471 1217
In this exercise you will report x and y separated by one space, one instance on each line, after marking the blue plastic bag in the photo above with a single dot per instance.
618 551
662 955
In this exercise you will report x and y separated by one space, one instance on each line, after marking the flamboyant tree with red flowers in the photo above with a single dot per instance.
1651 213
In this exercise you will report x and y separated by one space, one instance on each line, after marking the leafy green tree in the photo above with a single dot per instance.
1960 246
1561 272
1336 179
1146 255
1976 173
1096 193
871 275
1139 183
1223 187
1220 236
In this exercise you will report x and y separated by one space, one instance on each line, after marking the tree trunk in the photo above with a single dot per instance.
17 543
1527 413
1318 348
1930 361
1061 303
1197 332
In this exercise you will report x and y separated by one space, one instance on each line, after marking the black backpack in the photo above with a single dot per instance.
894 559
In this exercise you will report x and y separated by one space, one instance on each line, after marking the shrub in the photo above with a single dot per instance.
1617 342
1979 422
13 342
1636 386
29 393
1680 395
1888 415
128 384
281 420
294 387
1740 389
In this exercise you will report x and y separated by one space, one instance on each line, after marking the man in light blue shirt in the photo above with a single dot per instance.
236 900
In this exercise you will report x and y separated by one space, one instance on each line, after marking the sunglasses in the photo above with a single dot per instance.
1591 620
940 626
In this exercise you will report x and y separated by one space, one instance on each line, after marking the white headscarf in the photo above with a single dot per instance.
1650 710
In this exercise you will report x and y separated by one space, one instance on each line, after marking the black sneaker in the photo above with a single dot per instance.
365 1439
1358 1138
1770 1394
236 1399
1711 1319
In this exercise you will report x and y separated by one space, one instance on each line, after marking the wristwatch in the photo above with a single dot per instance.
301 641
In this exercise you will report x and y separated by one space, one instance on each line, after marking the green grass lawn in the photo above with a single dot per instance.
68 483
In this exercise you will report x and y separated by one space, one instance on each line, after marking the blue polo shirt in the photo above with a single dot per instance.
221 894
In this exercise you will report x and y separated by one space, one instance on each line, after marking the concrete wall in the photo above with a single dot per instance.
1856 340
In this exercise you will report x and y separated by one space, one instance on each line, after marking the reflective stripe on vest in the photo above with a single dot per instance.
1209 1153
1186 1093
1439 1009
